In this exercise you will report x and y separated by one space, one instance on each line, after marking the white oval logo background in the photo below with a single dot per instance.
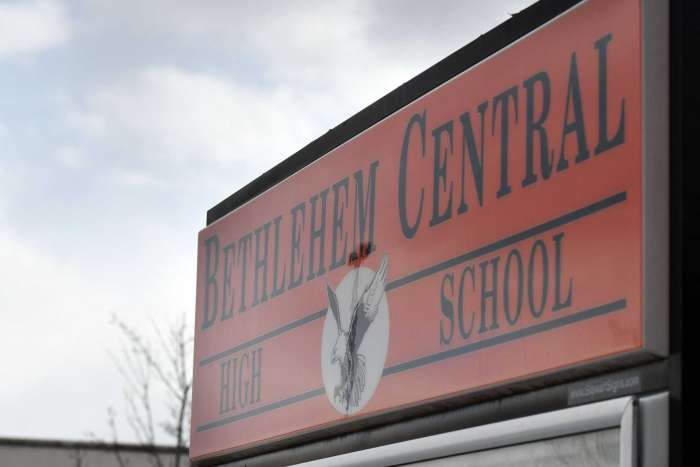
374 346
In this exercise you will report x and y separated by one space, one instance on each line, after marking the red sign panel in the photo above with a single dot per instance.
488 232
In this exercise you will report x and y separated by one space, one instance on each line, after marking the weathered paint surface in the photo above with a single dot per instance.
509 205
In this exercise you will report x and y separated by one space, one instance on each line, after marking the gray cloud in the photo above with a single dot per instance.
32 27
135 118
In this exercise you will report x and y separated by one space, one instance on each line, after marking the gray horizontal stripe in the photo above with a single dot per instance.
490 248
511 240
265 408
263 337
437 357
511 336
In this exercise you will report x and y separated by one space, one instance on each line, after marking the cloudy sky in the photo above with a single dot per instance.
122 122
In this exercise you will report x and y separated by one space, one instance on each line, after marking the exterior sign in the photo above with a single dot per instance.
489 232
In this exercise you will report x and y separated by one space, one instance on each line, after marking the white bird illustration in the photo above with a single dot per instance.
345 349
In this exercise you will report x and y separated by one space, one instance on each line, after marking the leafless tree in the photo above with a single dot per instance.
163 362
115 439
78 456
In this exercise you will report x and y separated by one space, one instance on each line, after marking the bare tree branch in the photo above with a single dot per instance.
78 456
113 429
166 364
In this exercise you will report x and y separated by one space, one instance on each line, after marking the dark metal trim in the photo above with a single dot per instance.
684 211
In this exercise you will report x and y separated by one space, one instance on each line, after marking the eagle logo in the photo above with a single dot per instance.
355 337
